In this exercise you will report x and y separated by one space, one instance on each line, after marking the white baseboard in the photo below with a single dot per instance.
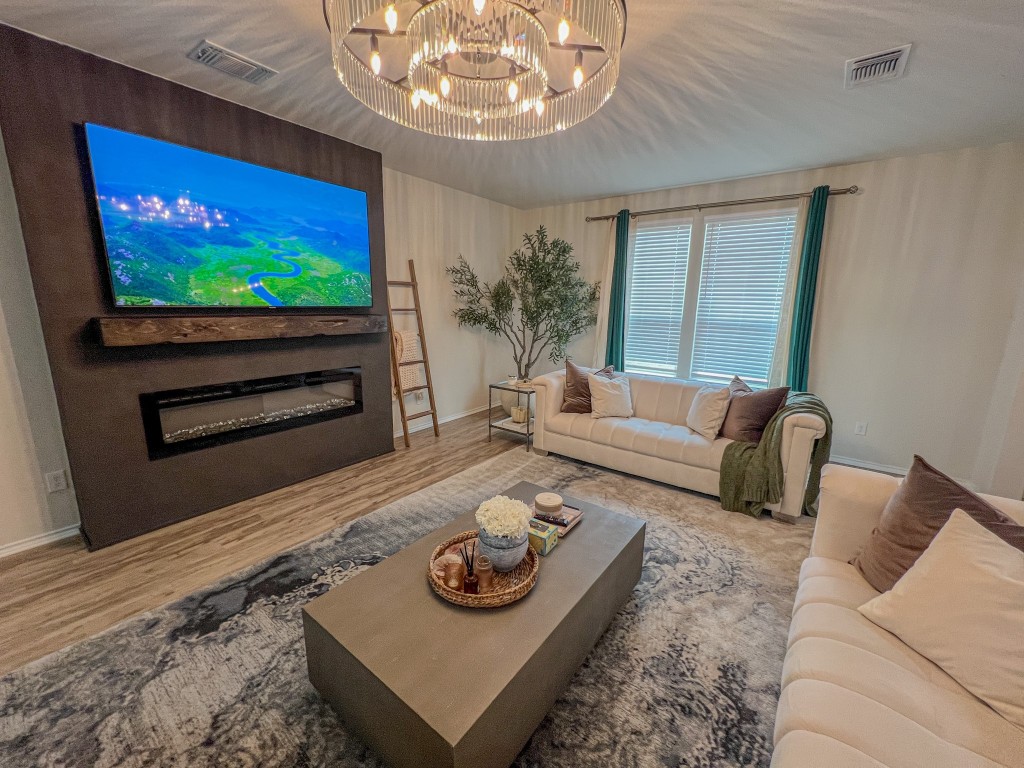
886 468
891 470
38 540
427 424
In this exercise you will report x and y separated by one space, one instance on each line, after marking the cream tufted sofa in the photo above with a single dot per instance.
853 695
656 442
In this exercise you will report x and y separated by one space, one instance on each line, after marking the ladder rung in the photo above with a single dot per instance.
403 309
410 362
419 415
395 283
414 389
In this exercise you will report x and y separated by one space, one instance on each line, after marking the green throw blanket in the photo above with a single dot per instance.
752 476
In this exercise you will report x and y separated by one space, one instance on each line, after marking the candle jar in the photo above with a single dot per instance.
484 572
454 576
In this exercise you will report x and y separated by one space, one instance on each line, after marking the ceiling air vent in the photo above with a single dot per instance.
230 63
878 67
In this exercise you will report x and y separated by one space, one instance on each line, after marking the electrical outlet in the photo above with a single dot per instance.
56 481
860 428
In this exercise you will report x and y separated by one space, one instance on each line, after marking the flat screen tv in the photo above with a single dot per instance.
187 229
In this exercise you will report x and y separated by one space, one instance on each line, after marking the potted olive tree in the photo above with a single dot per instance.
539 304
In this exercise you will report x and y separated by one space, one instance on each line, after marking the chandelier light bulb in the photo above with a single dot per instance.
478 6
453 47
391 19
416 99
577 73
539 107
513 86
374 55
446 86
563 31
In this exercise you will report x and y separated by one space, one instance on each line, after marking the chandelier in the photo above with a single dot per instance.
485 70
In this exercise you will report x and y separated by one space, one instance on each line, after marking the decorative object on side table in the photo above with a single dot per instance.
504 531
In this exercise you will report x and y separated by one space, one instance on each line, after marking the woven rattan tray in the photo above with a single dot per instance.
508 587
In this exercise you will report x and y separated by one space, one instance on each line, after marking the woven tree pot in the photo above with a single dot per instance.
505 553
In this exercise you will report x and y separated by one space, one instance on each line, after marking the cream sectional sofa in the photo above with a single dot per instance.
853 695
656 442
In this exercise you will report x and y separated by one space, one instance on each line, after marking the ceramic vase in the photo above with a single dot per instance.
503 552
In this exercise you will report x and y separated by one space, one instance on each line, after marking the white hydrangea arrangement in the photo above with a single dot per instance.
502 516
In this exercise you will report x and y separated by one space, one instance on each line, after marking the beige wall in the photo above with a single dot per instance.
919 328
32 443
433 225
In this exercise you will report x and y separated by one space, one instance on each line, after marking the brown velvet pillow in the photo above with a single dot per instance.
577 389
920 507
750 411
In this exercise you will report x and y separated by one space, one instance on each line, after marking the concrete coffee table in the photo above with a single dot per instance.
426 683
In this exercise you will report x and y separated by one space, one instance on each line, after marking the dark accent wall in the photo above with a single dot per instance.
47 92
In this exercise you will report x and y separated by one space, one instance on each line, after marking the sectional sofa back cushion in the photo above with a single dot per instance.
960 607
916 512
750 411
576 398
664 400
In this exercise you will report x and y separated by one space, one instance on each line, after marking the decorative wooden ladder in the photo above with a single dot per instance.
397 364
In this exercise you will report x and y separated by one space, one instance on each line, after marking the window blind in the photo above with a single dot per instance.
743 279
657 289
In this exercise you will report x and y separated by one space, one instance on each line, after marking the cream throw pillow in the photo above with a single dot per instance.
961 605
609 397
707 412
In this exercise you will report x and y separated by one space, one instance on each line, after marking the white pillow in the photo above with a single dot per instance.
962 606
609 397
707 412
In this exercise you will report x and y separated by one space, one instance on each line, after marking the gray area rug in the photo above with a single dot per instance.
687 674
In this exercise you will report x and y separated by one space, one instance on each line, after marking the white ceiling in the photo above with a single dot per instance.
710 89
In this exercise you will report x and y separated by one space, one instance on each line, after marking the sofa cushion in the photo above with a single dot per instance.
833 582
750 412
960 605
917 510
876 729
805 748
659 399
576 395
649 438
609 397
707 411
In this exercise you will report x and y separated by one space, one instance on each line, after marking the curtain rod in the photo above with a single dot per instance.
636 214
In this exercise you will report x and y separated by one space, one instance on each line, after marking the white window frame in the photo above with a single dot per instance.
695 264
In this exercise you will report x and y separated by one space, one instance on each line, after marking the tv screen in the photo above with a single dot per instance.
185 228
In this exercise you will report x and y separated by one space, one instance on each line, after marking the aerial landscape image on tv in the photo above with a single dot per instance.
185 228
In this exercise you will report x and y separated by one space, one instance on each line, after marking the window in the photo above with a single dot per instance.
723 320
657 288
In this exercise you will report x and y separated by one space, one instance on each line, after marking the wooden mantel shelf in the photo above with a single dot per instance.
142 331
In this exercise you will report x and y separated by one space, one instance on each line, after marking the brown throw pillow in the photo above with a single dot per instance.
577 389
917 511
750 411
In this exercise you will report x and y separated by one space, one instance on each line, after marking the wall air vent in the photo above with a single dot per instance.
878 67
230 63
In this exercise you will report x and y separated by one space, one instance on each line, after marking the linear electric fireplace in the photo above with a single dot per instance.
181 420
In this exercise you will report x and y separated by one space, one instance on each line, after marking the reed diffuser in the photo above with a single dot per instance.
470 584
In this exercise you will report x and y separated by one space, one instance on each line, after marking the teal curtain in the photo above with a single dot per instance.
615 354
806 288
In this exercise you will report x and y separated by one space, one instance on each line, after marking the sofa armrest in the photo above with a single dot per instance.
851 504
799 431
550 393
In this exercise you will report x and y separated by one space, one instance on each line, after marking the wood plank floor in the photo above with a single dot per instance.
59 594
